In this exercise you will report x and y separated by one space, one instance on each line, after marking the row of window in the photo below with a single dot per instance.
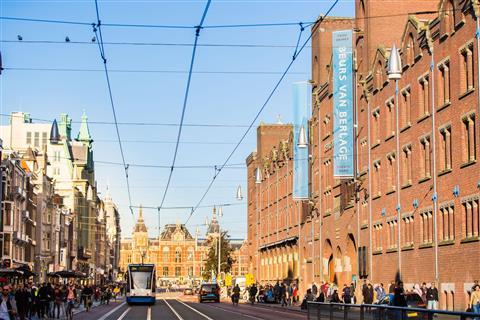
423 157
418 228
37 139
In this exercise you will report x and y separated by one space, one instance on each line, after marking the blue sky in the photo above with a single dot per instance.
227 98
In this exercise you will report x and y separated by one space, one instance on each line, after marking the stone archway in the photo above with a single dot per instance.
338 262
350 265
328 262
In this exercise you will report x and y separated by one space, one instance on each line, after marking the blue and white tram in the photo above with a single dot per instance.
141 284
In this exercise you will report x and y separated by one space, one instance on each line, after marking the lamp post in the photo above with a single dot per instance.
258 181
395 73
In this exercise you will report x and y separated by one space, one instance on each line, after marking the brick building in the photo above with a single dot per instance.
350 229
176 253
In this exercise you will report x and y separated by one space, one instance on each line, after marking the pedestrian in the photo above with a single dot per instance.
289 294
314 289
335 298
236 295
346 294
352 292
283 295
432 297
391 287
295 294
418 290
367 293
380 292
7 307
43 301
324 288
21 299
475 300
252 292
424 292
399 296
308 297
58 301
51 300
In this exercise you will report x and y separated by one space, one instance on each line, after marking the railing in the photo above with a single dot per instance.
341 311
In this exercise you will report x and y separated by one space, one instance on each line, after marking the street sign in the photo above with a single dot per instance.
249 279
228 280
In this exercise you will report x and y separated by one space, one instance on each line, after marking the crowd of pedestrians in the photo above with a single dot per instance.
52 301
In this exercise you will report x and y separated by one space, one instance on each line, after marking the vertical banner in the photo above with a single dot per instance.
343 157
302 105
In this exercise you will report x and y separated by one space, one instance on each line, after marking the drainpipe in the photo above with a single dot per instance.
397 159
370 222
434 197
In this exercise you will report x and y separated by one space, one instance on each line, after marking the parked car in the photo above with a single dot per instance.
209 292
413 301
188 291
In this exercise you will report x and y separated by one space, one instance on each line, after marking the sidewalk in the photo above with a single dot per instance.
295 308
95 304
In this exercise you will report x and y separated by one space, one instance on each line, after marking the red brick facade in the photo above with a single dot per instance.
350 219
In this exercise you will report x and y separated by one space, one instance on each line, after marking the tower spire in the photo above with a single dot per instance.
84 132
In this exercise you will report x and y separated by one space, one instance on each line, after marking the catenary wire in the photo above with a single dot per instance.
246 72
165 124
319 20
225 26
185 102
112 103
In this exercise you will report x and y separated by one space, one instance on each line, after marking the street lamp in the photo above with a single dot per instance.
258 176
302 138
395 73
239 193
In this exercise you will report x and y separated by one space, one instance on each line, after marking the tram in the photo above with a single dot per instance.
141 284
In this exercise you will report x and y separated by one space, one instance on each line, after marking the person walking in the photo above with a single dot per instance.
7 307
252 292
21 299
432 297
283 295
380 292
367 293
236 295
314 289
289 294
475 301
346 294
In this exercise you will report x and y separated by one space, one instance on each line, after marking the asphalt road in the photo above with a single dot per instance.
185 308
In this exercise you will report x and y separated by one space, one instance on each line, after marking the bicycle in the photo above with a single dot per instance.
69 309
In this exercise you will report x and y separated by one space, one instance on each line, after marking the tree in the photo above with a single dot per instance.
226 260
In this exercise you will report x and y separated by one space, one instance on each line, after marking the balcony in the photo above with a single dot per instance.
19 238
19 192
84 253
26 217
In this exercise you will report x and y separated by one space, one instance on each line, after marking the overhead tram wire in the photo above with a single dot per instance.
97 30
42 69
165 124
297 52
225 26
185 101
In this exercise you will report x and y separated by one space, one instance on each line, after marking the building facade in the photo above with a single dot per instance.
63 217
176 253
421 225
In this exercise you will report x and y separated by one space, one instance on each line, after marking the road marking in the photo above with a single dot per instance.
112 311
173 310
124 313
149 313
203 315
237 312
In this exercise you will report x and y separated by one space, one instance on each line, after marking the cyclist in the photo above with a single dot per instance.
87 294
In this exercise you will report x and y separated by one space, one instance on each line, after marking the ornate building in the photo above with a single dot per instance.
176 253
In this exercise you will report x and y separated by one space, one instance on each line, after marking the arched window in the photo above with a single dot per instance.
409 50
379 75
448 18
178 255
166 254
190 255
